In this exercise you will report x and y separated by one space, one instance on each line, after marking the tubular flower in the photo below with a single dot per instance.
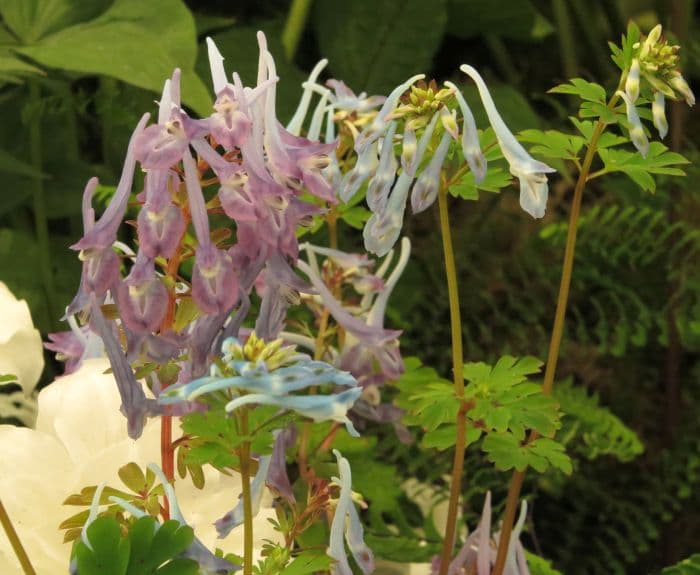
636 129
530 172
346 522
273 385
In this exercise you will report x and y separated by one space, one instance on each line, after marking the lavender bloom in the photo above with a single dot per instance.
235 517
73 346
160 222
346 522
366 340
277 477
478 554
214 282
142 297
530 172
163 144
134 406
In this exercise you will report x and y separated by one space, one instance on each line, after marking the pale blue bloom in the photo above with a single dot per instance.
426 188
470 138
530 172
636 129
632 81
378 126
332 407
347 522
658 113
384 227
380 185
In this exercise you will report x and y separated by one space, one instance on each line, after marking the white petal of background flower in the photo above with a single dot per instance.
21 352
81 440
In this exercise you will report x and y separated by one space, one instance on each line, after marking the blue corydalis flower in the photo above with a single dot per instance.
346 521
530 172
273 387
332 407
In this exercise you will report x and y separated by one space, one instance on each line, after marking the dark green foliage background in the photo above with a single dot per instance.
633 329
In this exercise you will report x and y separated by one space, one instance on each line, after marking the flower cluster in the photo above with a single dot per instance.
249 168
404 145
656 62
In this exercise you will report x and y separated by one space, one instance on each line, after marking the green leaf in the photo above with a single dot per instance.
584 89
307 562
19 253
507 452
689 566
132 476
374 45
539 565
109 554
11 165
515 19
133 41
659 160
30 20
553 144
444 437
8 378
400 548
592 429
355 216
607 140
428 398
151 548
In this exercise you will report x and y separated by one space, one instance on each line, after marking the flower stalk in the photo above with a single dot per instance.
246 496
17 546
517 478
457 368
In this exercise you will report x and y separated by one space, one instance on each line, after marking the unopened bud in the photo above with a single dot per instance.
658 111
632 83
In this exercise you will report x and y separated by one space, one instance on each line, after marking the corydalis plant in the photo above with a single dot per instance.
404 146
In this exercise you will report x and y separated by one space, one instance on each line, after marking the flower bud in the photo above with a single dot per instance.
679 84
659 114
632 82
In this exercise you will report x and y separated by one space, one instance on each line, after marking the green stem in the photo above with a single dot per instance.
516 481
294 27
247 502
15 542
457 371
41 224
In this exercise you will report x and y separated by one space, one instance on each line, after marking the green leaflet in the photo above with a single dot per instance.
144 551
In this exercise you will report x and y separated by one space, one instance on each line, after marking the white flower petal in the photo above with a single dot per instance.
21 352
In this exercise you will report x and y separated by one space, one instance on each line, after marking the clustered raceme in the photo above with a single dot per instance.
418 124
258 171
656 63
478 554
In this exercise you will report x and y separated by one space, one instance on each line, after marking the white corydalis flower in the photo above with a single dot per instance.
658 112
530 172
637 134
